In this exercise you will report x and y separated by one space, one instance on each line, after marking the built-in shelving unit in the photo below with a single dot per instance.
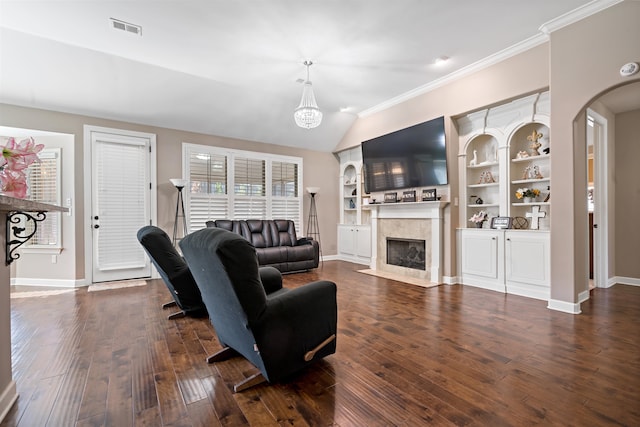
354 230
530 169
503 149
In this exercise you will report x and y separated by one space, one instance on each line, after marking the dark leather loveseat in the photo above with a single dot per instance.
276 242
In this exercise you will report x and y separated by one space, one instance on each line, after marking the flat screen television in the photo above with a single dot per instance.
408 158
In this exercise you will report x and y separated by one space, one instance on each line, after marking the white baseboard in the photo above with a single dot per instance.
566 307
451 280
330 258
57 283
583 296
623 281
7 399
354 260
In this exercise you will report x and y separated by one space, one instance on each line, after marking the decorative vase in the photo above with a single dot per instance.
479 224
527 199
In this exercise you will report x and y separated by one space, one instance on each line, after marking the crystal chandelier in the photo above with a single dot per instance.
308 115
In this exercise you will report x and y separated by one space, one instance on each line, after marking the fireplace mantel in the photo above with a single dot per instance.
433 216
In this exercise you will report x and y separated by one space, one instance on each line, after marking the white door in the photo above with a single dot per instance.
602 207
121 202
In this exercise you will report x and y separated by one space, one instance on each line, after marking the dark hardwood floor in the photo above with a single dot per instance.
407 356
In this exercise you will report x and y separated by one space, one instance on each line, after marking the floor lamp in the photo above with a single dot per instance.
313 230
180 184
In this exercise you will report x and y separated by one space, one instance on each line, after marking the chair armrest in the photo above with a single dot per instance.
304 241
301 318
271 279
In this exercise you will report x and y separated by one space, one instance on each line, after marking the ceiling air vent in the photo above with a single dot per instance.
117 24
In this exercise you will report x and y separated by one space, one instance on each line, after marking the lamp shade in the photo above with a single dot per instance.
179 182
313 190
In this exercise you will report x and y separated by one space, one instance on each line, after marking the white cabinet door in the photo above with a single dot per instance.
354 242
346 240
363 242
482 255
527 260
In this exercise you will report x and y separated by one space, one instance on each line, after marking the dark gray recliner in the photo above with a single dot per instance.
174 272
279 333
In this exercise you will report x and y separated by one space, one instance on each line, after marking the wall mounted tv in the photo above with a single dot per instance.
411 157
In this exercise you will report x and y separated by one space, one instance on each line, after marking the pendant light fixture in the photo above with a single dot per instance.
307 115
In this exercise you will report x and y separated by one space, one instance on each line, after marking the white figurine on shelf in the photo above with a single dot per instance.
474 161
536 172
522 155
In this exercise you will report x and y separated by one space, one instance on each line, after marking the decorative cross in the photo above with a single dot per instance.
535 216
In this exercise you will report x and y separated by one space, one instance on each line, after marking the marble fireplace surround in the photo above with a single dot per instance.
409 220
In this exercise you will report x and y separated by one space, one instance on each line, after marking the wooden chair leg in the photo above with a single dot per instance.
224 354
176 315
249 382
309 354
169 304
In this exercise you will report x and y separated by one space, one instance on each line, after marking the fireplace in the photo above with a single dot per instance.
408 253
420 226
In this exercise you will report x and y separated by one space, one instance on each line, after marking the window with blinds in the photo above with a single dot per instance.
44 182
284 191
235 184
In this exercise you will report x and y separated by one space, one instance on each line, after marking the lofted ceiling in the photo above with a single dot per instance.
230 68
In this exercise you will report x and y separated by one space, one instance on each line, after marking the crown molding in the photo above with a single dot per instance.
545 29
523 46
576 15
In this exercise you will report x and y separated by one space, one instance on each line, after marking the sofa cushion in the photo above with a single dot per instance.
227 224
259 233
283 232
272 256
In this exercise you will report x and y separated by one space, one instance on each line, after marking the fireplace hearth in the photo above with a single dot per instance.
408 253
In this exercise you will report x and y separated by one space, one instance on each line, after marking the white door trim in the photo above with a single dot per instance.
601 207
88 235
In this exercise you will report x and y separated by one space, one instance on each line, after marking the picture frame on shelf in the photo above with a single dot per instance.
501 222
409 196
390 197
429 195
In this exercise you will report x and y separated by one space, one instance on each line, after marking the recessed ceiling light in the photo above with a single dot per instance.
441 60
344 109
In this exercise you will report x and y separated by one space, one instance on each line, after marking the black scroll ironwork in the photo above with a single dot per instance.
17 235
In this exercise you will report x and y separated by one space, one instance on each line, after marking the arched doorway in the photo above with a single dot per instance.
611 125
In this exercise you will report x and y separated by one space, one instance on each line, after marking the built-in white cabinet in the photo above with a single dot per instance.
482 258
354 230
354 242
527 263
503 151
511 261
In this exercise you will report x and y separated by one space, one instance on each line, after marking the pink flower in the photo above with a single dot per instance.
14 183
19 156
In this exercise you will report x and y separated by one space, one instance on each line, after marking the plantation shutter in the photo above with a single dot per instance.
250 201
44 182
285 202
207 188
236 184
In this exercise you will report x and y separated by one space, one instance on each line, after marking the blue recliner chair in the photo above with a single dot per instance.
279 333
